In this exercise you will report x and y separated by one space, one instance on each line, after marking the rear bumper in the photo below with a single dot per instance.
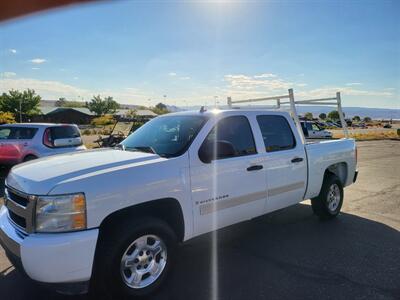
61 260
355 176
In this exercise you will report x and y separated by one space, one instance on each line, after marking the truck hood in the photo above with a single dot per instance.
40 176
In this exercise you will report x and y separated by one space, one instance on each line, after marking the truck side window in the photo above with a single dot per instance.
233 130
276 133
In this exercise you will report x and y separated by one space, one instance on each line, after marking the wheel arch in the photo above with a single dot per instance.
29 155
167 209
339 169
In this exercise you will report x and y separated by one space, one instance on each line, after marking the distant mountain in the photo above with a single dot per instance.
52 103
374 113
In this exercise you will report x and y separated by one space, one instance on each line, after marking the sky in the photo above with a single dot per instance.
189 53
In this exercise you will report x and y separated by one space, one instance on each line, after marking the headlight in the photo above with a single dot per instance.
61 213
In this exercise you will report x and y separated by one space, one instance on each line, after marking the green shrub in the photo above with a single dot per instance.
86 132
103 120
398 131
6 118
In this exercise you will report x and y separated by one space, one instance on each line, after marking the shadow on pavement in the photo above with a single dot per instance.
287 254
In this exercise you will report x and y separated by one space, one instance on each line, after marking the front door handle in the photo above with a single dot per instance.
255 168
297 159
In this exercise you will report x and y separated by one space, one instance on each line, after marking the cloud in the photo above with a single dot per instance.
46 88
7 74
13 51
184 78
49 89
345 90
38 60
244 82
35 68
353 83
245 86
76 78
172 74
266 75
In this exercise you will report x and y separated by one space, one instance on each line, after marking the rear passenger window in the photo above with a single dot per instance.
17 133
276 133
235 130
64 132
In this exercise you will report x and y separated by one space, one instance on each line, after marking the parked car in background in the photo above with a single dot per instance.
26 141
312 130
332 124
387 125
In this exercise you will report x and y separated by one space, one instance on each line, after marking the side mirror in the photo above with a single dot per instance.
210 151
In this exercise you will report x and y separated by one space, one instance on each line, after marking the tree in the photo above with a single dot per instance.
101 107
131 113
334 115
61 102
322 116
356 119
160 109
367 119
308 116
111 105
20 104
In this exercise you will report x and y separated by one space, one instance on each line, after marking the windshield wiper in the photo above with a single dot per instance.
146 149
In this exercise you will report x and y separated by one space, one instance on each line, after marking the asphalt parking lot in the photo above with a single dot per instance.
289 254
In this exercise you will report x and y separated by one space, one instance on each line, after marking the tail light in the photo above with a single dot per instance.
47 138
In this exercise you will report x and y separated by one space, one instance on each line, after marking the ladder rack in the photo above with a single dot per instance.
289 99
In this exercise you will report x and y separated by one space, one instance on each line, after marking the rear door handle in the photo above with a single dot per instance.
297 159
255 168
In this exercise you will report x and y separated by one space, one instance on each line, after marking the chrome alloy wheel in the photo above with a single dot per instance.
143 261
333 198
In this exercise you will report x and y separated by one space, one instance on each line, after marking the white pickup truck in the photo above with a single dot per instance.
112 217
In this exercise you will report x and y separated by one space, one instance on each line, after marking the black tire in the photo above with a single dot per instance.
29 158
321 204
107 279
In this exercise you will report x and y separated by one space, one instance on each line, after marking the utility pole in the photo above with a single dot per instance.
20 110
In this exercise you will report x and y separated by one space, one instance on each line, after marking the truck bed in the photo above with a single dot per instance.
322 154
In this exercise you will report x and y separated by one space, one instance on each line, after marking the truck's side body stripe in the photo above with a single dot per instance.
285 188
224 204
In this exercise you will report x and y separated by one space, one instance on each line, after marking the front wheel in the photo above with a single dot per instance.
328 203
134 258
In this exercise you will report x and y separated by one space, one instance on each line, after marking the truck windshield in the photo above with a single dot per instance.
167 136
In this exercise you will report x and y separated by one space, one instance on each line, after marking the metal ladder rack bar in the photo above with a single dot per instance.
336 101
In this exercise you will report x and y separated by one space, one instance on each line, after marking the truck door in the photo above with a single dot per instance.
286 164
230 187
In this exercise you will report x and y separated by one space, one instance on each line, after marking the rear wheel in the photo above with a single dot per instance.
134 258
328 203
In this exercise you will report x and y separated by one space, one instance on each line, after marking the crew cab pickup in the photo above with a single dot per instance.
114 216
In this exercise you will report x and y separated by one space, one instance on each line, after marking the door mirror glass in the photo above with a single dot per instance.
219 150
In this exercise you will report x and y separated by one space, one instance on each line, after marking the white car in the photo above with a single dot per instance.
27 141
116 215
312 130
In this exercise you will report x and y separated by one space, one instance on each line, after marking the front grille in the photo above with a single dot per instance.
20 209
23 201
20 221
